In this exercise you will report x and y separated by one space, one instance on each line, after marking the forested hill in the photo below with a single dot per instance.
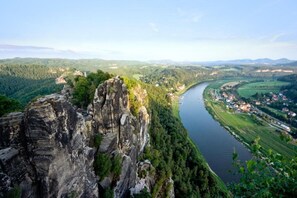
175 163
80 64
24 82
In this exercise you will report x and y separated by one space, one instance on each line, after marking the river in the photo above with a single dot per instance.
215 142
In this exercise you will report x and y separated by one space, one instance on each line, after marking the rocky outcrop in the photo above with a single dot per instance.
10 127
145 180
123 133
57 143
46 152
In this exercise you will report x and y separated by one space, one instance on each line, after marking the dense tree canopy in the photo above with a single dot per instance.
173 154
8 105
26 81
84 87
274 176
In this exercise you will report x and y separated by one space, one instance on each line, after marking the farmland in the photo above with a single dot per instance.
248 127
250 89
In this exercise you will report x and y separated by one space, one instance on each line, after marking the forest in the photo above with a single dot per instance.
171 151
25 82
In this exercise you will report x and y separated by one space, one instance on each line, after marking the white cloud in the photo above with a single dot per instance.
153 27
276 37
190 16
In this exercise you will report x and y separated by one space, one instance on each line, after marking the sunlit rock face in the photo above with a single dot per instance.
45 151
57 146
123 133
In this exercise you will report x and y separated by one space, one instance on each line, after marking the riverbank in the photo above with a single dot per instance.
175 101
212 140
219 181
175 110
246 128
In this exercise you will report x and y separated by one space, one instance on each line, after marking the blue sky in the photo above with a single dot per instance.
197 30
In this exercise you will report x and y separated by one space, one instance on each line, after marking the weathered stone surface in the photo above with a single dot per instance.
45 150
57 143
144 179
10 127
122 132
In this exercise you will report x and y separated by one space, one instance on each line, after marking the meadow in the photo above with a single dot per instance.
248 127
250 89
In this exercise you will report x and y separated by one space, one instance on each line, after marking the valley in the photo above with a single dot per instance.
247 122
199 115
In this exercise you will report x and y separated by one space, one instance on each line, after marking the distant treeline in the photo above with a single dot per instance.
25 82
291 90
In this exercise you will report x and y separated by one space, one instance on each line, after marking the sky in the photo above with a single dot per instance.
180 30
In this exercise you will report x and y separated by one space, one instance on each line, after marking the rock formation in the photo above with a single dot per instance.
46 151
123 133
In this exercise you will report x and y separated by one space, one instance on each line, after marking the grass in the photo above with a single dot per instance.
137 76
250 89
248 127
276 111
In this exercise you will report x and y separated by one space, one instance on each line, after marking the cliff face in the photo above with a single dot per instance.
46 151
123 134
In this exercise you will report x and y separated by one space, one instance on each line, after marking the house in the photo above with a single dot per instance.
291 113
231 97
78 73
181 87
274 97
60 80
225 95
245 107
285 109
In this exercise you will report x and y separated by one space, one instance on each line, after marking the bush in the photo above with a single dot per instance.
8 105
275 176
102 165
133 102
116 165
97 140
143 194
84 87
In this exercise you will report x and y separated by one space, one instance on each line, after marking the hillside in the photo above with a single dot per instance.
25 82
110 139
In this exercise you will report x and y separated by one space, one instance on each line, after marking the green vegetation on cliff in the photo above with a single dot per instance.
172 153
84 87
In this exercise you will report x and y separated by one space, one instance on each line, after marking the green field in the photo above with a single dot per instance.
276 111
248 127
250 89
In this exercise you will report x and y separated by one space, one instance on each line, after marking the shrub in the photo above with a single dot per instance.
102 165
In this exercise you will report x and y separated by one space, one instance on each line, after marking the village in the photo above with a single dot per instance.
227 95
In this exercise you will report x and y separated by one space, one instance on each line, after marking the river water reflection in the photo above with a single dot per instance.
215 142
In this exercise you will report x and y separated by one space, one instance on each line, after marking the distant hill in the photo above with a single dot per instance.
262 61
292 64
